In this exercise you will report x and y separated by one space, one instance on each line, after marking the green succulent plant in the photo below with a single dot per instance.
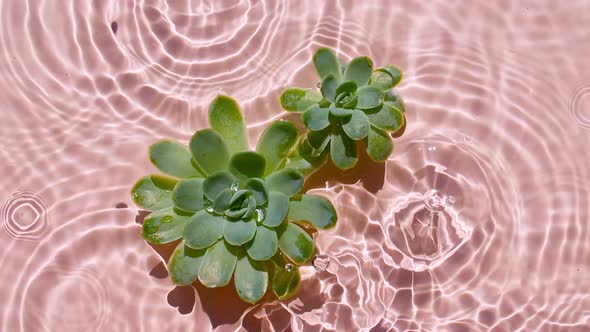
354 103
238 212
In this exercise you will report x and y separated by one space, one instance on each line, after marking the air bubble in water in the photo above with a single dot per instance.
289 267
320 262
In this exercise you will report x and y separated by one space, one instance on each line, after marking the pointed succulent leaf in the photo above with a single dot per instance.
369 98
275 143
357 126
238 232
226 119
326 63
316 118
216 183
278 207
238 197
340 112
218 265
359 70
318 140
343 151
164 226
295 243
315 210
173 159
247 164
184 264
346 86
251 208
222 201
298 100
378 144
251 279
203 230
386 78
209 151
188 195
258 188
287 181
388 118
328 89
264 245
284 281
153 192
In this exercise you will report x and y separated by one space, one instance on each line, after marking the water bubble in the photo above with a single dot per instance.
320 262
235 186
450 200
167 219
435 202
209 209
289 267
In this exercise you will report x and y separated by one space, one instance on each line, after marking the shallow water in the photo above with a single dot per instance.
479 221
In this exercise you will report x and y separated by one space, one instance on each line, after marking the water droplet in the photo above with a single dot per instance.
209 209
260 215
450 200
167 219
320 262
235 186
316 152
121 205
289 267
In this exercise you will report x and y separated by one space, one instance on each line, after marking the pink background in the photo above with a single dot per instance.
498 100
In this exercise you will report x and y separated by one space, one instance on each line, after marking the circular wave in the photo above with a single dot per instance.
24 216
579 105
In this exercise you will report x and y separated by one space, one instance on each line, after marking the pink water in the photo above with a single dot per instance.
479 221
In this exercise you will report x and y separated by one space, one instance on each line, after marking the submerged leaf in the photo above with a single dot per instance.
284 282
378 145
216 183
247 164
357 126
326 63
359 70
316 118
251 279
226 119
184 264
188 195
275 143
264 245
238 232
258 188
164 226
209 151
173 159
343 151
369 98
287 181
329 85
278 207
203 230
298 100
313 209
218 265
388 118
295 243
153 192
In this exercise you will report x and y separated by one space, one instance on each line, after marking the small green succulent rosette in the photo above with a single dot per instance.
238 212
354 103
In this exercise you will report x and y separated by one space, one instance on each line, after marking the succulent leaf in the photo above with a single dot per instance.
203 230
209 151
216 183
315 210
295 243
173 159
164 226
278 207
188 195
357 126
247 164
316 117
284 281
275 143
359 70
251 279
258 188
226 119
239 231
388 118
369 98
326 63
378 144
287 181
264 245
328 89
298 100
386 78
184 264
218 265
343 151
153 192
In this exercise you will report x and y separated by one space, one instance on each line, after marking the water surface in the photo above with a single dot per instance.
479 221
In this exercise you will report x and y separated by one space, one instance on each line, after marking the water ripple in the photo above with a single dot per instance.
24 216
